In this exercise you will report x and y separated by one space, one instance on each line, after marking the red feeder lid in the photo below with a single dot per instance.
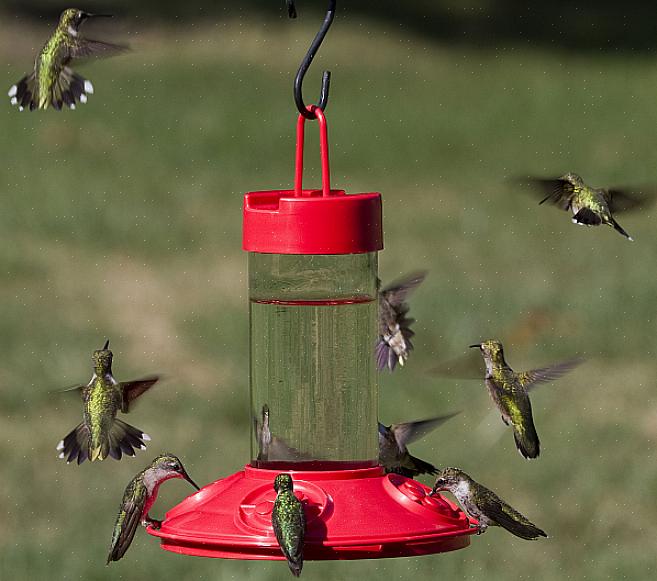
350 514
302 221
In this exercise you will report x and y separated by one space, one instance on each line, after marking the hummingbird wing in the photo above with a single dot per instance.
410 431
131 390
623 200
85 47
506 516
398 291
530 379
128 519
555 191
467 366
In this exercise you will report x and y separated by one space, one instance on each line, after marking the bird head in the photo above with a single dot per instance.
283 482
168 466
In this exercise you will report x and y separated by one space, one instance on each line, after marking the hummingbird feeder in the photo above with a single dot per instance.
314 386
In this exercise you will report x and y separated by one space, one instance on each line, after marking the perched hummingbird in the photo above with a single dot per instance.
53 82
393 453
395 331
270 447
484 505
509 391
590 206
101 433
138 498
289 522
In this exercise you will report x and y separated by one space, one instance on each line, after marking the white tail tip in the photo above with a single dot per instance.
72 106
146 437
12 91
60 446
61 456
88 87
83 98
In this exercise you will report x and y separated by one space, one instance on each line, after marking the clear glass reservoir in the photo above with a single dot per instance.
314 390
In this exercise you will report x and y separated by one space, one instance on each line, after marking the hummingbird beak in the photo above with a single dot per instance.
477 345
98 15
186 477
106 346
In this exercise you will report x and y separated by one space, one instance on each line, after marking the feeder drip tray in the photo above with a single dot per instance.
351 514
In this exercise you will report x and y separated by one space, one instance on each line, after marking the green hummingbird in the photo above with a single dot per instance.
484 505
590 206
101 433
509 391
394 344
139 497
289 522
53 82
394 439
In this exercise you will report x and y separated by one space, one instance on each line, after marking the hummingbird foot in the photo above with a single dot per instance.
148 521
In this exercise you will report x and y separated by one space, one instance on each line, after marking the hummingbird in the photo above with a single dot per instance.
394 344
289 522
393 453
509 391
101 433
138 498
484 505
590 206
53 82
270 447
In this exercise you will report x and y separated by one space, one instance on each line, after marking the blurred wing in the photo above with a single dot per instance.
96 48
133 389
530 379
623 201
398 291
468 366
124 530
77 387
557 192
411 431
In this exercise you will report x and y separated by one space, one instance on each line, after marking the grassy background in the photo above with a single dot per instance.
122 220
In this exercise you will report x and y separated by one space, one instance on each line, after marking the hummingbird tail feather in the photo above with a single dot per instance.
24 93
75 445
295 567
124 439
524 530
527 441
620 230
70 89
385 356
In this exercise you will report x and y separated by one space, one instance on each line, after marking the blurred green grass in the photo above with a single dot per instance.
122 220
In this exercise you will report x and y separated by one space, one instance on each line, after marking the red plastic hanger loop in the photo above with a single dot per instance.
323 152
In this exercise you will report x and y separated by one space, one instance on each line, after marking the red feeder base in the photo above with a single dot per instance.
350 514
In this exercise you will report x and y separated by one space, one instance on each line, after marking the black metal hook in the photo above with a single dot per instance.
308 59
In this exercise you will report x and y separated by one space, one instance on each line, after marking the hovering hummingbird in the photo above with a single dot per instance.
289 522
393 453
509 391
590 206
484 505
101 433
395 331
138 498
53 82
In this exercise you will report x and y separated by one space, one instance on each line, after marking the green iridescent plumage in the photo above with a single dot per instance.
53 82
590 206
510 393
101 433
289 522
484 505
139 496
